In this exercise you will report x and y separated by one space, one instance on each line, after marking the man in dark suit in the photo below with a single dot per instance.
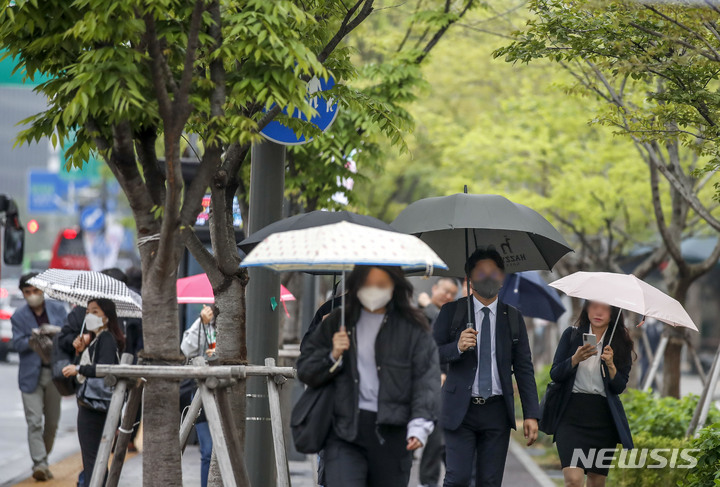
40 397
478 408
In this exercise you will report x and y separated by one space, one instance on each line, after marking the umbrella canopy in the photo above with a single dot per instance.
627 292
197 290
528 292
525 239
79 287
309 220
339 247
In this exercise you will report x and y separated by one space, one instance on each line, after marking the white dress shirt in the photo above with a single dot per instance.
479 315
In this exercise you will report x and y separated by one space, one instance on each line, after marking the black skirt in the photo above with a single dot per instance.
586 424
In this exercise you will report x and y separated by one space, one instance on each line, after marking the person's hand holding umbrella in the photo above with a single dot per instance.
341 343
607 357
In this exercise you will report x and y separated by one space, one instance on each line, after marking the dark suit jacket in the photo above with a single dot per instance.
564 373
23 321
457 391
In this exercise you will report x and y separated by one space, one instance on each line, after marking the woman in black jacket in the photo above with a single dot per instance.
592 377
385 375
101 344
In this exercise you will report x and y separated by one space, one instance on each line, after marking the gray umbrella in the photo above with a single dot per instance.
525 239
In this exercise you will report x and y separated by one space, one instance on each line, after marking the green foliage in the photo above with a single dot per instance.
649 477
661 60
707 471
667 416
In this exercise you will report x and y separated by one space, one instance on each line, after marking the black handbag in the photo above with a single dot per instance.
94 394
312 418
550 408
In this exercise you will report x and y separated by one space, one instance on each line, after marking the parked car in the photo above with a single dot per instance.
10 299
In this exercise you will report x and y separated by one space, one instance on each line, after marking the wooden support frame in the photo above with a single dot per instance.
212 396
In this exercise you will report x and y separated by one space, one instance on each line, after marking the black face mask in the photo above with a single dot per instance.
487 287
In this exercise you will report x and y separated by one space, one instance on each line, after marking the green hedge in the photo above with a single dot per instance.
665 417
707 471
649 477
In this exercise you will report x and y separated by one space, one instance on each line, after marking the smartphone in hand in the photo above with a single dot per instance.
589 338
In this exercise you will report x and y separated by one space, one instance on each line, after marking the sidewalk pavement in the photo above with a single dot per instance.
520 471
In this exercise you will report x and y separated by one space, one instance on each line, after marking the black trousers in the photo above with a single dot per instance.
432 458
484 430
377 458
90 425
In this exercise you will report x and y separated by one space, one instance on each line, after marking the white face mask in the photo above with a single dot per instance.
374 298
93 322
35 300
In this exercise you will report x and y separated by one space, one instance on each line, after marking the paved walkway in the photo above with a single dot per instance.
520 471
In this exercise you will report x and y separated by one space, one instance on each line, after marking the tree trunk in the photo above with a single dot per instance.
161 456
672 360
232 349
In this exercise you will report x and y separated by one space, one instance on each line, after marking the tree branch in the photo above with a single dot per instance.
154 178
158 68
441 32
182 104
348 25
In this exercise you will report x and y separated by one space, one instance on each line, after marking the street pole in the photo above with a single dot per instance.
267 186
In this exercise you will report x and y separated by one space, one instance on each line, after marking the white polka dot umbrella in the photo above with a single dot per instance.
340 246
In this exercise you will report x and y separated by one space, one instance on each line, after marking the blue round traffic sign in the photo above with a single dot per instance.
327 110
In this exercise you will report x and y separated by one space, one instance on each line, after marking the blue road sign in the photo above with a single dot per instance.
92 219
327 110
48 193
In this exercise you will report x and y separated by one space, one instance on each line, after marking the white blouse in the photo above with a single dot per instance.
588 379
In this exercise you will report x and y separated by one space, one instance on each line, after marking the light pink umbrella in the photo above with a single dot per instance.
197 290
627 292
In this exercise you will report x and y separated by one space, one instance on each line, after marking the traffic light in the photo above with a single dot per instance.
33 226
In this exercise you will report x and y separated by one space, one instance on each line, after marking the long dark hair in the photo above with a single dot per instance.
622 345
401 301
113 326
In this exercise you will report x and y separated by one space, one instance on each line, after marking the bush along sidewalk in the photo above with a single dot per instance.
662 452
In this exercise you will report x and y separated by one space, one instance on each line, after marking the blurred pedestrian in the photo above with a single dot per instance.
478 408
198 341
385 377
591 415
443 291
101 343
41 400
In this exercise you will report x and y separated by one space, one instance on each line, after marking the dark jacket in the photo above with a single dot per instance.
103 350
564 373
23 321
71 329
457 391
408 372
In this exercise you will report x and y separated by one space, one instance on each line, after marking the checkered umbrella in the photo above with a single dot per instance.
79 287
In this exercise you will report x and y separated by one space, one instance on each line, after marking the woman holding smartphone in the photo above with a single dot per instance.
593 373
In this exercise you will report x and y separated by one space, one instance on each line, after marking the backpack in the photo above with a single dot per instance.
459 321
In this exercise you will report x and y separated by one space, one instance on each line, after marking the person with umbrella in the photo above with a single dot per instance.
592 365
100 343
478 409
592 376
385 375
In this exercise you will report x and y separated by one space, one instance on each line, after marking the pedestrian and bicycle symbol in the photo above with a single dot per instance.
326 107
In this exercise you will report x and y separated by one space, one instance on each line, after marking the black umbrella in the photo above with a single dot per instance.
452 225
523 237
309 220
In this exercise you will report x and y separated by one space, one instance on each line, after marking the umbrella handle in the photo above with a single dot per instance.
617 320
